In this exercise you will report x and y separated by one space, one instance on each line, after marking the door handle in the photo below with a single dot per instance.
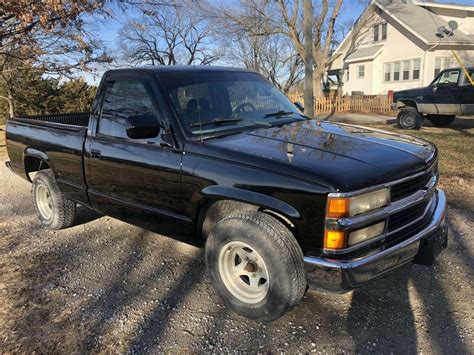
95 153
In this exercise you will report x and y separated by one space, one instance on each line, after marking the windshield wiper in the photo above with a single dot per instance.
216 121
279 113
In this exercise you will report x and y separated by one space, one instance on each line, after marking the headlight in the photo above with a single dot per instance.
339 207
363 234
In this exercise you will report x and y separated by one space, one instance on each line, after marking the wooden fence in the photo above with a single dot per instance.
362 103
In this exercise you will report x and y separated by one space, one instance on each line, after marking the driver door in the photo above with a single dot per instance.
132 179
467 96
445 94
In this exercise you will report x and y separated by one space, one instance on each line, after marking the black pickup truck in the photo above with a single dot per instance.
279 201
449 95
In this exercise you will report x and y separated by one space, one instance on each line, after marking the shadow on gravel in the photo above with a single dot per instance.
150 331
85 215
381 311
380 314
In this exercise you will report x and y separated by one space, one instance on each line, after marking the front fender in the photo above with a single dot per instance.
251 197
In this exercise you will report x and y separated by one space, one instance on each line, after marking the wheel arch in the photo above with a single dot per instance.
401 103
35 160
230 200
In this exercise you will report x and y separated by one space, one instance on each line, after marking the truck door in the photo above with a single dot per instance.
444 96
137 180
467 96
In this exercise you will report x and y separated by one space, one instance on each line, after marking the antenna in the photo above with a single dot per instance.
196 93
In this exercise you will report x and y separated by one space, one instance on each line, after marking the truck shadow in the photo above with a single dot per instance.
85 215
411 303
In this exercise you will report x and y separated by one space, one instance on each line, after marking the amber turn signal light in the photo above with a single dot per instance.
335 239
337 207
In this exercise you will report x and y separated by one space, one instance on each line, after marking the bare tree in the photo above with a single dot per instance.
285 17
167 35
47 36
308 59
272 55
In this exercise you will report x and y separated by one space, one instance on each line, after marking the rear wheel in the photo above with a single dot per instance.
54 210
409 118
255 265
441 120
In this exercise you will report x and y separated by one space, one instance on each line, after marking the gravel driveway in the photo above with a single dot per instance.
107 286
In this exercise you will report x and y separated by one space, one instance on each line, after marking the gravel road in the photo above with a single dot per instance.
107 286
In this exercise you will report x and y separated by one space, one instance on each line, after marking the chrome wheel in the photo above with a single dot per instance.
409 120
44 202
243 272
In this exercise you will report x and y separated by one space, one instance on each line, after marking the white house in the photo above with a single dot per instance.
393 45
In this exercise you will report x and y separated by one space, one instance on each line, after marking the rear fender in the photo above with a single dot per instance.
33 160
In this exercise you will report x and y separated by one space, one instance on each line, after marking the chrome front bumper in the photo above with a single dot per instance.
344 275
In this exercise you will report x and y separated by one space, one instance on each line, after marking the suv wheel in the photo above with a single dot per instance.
409 118
255 265
53 209
441 120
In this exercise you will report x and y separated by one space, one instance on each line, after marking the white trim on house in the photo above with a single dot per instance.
410 36
443 6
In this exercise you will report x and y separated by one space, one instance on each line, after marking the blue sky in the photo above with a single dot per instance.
108 30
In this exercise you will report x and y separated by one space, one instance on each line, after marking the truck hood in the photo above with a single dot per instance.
409 93
339 156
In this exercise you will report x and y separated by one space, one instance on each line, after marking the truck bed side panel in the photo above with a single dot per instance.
61 145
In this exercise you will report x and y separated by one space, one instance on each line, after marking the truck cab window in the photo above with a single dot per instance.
448 78
123 99
467 82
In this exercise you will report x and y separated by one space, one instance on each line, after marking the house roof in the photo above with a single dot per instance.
365 53
421 21
444 6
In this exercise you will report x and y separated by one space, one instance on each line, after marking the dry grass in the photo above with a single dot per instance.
456 160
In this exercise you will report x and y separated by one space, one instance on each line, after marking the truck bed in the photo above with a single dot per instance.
55 139
78 119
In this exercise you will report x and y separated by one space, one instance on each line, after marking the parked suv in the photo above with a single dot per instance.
450 94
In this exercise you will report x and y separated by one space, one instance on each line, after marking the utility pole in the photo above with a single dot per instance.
308 57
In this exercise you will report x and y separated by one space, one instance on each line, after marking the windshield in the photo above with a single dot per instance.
213 103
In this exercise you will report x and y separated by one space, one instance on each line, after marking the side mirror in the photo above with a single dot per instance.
143 127
299 106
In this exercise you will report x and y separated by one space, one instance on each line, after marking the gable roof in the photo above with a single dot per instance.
365 53
422 22
416 18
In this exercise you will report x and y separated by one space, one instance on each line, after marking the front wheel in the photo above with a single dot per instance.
441 120
255 265
409 118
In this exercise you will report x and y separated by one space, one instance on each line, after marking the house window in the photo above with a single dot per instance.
376 33
380 32
384 31
442 63
360 71
396 71
416 69
387 70
406 70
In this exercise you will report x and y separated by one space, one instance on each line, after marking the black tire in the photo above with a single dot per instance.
277 247
60 212
220 210
409 118
441 120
